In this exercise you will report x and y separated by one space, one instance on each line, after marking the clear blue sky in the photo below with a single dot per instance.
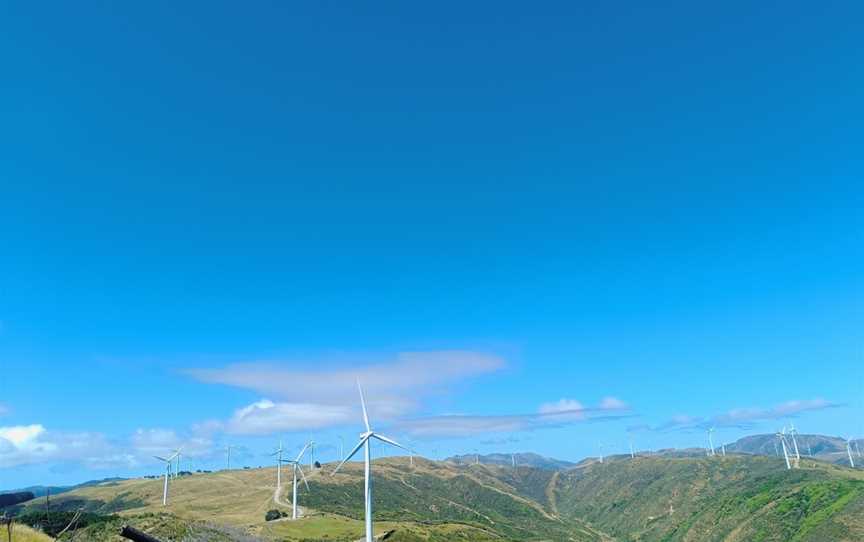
657 203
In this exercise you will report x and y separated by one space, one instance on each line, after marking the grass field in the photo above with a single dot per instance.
22 533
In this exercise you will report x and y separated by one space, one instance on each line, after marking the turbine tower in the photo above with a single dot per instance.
167 461
849 452
793 432
228 449
782 436
295 465
278 454
177 456
365 443
711 441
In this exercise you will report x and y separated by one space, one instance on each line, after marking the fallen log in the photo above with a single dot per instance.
135 535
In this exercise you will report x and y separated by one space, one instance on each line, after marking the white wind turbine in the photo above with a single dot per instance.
278 454
849 452
167 462
632 453
311 454
794 432
228 449
782 436
711 441
177 456
365 443
295 465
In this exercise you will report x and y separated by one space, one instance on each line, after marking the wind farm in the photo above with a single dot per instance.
432 272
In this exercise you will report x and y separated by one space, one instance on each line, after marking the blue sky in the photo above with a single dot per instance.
526 228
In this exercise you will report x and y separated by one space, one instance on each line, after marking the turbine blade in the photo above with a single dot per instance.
350 455
303 476
160 458
363 404
391 442
303 451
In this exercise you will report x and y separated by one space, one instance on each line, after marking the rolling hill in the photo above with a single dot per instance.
522 459
733 499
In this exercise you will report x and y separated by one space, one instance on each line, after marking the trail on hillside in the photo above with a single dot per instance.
277 498
513 494
550 494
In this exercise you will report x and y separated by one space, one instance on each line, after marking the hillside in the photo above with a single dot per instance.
737 498
821 447
22 533
506 460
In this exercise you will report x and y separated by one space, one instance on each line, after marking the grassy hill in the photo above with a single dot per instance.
821 447
22 533
737 498
506 460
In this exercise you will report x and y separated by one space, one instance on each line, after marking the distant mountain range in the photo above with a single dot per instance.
521 459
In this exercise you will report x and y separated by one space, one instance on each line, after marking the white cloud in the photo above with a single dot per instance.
28 444
745 418
562 405
549 415
34 444
265 416
613 403
326 397
146 443
22 436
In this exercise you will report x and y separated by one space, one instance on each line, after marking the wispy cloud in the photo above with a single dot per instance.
265 416
549 415
743 418
4 410
325 397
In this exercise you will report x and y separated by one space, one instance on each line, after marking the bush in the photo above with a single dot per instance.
274 514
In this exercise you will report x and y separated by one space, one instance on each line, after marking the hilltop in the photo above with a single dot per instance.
521 459
821 447
734 499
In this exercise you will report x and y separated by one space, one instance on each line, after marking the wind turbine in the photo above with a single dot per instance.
278 454
311 454
295 464
600 444
782 436
167 462
365 443
228 449
849 453
793 432
177 456
711 441
632 453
